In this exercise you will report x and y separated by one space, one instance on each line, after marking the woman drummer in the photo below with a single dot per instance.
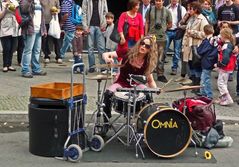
140 60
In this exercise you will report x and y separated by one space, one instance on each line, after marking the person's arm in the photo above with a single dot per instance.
120 27
151 81
226 52
84 16
4 9
141 25
169 20
64 12
147 22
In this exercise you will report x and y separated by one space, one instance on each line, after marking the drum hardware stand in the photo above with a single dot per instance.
131 133
184 112
99 113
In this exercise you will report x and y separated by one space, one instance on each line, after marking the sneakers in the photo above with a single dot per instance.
173 72
46 60
27 75
162 78
41 73
59 61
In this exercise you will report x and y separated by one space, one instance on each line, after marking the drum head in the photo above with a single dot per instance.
167 132
124 96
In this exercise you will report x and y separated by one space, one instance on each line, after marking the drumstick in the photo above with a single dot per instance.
170 80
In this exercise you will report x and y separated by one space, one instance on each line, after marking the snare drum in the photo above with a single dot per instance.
120 102
167 132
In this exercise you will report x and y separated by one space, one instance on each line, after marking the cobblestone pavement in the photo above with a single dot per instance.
15 90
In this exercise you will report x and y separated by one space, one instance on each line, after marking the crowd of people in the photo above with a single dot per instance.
205 36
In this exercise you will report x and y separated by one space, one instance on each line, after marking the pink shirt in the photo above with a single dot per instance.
136 22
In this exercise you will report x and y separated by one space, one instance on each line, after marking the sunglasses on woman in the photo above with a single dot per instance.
147 46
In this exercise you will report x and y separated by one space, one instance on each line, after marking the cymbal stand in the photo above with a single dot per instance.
184 112
99 113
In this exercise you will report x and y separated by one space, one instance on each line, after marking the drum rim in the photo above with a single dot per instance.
124 100
147 106
187 143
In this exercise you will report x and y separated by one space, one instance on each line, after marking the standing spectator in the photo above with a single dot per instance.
226 64
208 12
177 12
94 23
51 8
158 20
230 13
110 45
193 37
68 27
208 52
144 6
32 34
8 34
135 27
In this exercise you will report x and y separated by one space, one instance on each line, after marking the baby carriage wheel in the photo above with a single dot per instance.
74 153
96 143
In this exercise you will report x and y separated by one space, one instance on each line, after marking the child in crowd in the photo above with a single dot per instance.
77 44
209 54
110 46
226 64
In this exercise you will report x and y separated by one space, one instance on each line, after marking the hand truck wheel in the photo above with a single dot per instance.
74 153
96 143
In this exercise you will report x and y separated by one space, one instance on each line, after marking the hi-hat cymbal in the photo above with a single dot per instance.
99 77
183 88
108 65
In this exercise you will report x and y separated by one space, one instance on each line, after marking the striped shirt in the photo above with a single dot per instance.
66 7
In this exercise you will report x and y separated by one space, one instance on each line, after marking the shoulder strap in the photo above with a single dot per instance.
179 12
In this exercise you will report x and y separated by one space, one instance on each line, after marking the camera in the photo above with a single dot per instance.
158 26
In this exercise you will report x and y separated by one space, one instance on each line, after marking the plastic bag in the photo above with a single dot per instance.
54 27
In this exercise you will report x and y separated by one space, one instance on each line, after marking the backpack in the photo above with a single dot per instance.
76 14
23 19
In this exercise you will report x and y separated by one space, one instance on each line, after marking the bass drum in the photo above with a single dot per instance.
167 132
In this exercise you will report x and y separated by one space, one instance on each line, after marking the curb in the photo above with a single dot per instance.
22 116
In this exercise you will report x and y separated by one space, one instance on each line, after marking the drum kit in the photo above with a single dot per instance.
163 129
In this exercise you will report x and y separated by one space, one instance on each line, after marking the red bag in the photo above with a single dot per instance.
22 19
201 115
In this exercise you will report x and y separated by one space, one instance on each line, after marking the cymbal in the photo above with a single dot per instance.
99 77
108 65
183 88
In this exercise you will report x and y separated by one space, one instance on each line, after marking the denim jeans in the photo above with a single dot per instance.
206 82
95 36
68 37
31 53
177 48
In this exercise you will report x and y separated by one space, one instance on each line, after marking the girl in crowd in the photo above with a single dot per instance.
226 64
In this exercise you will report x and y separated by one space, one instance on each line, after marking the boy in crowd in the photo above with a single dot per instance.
110 46
209 54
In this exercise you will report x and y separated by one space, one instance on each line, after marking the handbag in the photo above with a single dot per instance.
179 33
114 36
54 27
196 58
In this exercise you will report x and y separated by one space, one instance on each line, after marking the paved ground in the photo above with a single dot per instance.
15 90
